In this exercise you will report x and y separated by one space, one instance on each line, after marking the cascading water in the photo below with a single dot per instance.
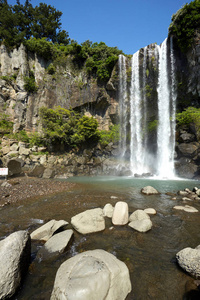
166 115
152 101
123 104
137 149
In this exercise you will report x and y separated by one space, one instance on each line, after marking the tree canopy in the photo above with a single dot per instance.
19 23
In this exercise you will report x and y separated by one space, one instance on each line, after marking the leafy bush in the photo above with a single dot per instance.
6 126
20 136
190 115
29 83
86 131
63 126
108 136
184 23
42 47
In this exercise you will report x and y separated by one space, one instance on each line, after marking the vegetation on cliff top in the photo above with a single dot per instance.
19 23
39 29
184 24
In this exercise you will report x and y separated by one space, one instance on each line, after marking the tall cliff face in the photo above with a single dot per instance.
188 74
68 87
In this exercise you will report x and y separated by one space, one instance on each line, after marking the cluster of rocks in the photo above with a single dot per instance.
188 153
187 196
84 275
90 273
35 161
93 220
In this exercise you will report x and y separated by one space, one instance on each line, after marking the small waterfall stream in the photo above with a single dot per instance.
150 152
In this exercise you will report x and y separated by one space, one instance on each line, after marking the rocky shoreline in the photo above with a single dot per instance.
21 188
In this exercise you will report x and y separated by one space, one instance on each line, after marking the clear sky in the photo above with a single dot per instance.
126 24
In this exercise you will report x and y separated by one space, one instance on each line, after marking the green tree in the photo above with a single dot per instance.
47 24
8 25
21 22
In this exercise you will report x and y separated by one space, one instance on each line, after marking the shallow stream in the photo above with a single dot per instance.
149 256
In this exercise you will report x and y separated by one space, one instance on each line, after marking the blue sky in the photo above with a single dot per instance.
126 24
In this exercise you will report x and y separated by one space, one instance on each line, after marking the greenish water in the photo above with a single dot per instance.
150 257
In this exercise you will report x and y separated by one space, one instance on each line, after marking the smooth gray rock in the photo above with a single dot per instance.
149 190
15 253
47 230
120 214
37 171
150 211
92 275
141 225
56 244
189 260
140 221
138 215
48 173
89 221
186 208
108 210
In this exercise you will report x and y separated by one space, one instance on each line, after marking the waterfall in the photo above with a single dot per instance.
166 121
122 103
151 101
144 68
173 108
137 150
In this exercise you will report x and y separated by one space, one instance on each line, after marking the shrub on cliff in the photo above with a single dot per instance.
6 126
184 24
190 115
111 135
63 126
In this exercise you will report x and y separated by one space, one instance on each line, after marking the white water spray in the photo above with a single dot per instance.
122 104
137 150
166 127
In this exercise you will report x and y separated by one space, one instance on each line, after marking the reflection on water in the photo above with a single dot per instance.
149 256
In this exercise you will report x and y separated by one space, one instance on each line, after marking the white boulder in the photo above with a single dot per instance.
189 260
15 253
120 214
46 231
149 190
138 215
56 244
186 208
108 210
92 275
89 221
150 211
141 225
140 221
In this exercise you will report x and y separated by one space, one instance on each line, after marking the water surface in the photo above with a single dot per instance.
149 256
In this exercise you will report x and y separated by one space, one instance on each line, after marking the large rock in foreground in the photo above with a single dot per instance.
89 221
189 260
15 253
92 275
